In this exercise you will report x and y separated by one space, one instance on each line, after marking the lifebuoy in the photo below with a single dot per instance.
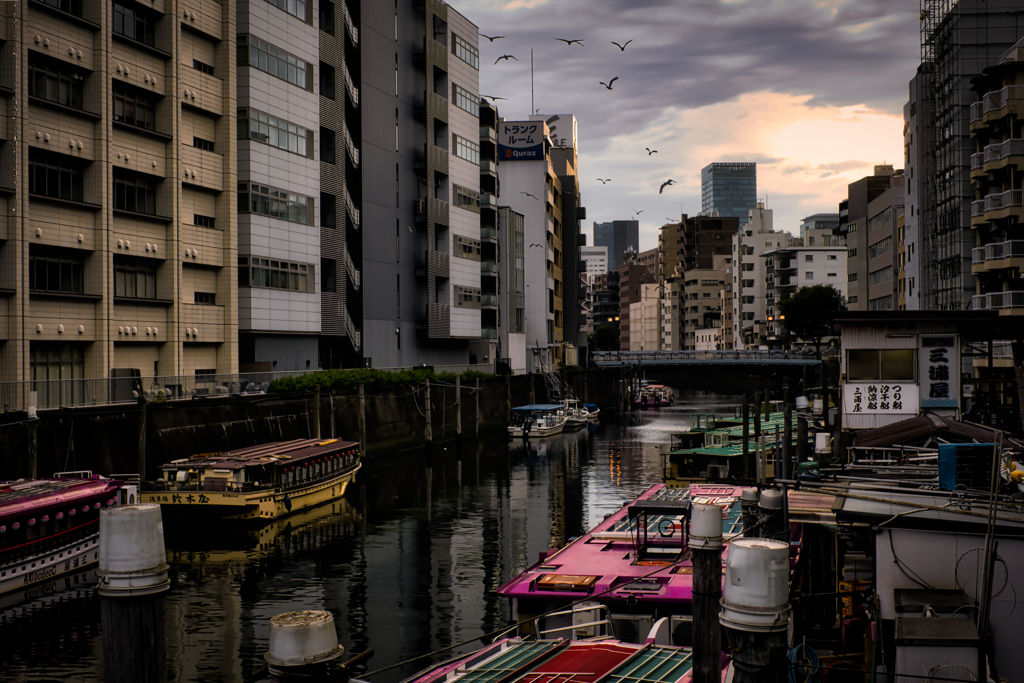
666 528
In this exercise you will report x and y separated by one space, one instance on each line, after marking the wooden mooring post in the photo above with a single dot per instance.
705 541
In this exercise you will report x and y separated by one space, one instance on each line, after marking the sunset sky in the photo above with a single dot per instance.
812 90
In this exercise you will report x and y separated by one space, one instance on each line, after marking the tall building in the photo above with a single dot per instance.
670 239
868 217
645 319
728 189
701 302
531 187
748 279
796 265
818 221
118 236
618 236
632 276
596 260
997 213
914 177
958 39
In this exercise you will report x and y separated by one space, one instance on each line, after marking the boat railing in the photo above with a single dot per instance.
48 544
577 629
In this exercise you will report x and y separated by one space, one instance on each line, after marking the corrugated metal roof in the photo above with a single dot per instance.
927 424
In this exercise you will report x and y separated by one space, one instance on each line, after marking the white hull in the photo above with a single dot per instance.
537 432
576 421
594 417
46 567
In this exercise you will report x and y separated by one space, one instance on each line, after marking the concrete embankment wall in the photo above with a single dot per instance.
129 438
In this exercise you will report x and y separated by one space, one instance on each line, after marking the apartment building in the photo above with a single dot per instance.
748 297
821 261
118 241
702 298
596 260
997 211
882 240
645 319
670 239
672 304
854 212
632 276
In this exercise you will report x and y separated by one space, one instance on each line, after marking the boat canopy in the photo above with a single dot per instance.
281 452
589 406
539 407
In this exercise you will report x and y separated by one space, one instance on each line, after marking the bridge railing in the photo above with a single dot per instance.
634 356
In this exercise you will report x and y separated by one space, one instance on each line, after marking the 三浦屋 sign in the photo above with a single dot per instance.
938 358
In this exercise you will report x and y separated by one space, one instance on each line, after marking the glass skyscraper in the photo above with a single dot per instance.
729 189
617 236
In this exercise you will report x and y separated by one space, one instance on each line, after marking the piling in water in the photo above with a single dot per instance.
705 541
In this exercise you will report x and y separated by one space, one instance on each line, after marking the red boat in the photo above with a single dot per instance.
51 527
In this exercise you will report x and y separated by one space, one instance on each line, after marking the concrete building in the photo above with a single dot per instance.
645 319
958 40
672 304
728 190
796 265
618 236
882 239
650 259
632 276
855 211
596 259
702 298
747 277
704 238
997 212
670 239
531 187
914 176
819 221
509 293
708 339
605 312
118 236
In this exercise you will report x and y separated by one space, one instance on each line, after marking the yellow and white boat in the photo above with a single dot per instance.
257 484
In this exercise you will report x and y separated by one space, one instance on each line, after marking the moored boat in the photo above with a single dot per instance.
575 414
593 412
50 528
537 420
257 484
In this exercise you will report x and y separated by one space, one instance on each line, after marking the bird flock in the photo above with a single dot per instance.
569 42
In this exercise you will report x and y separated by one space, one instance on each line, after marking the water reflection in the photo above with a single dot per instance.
407 563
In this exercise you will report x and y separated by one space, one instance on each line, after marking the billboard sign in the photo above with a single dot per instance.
880 398
939 370
521 141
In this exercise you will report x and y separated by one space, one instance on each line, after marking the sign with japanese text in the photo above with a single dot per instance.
939 370
880 398
520 140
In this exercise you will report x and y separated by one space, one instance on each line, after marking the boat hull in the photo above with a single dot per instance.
253 507
537 433
46 567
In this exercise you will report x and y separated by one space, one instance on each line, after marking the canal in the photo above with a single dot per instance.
407 563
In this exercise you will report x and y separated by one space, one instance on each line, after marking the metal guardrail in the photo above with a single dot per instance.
631 356
353 30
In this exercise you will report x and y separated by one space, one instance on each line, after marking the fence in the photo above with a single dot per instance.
73 393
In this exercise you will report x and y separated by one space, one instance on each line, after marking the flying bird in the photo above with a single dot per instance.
535 245
490 38
667 182
639 212
505 57
570 42
650 151
609 83
410 228
529 195
492 97
621 47
605 181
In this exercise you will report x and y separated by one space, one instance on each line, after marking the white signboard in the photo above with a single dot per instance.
880 398
939 370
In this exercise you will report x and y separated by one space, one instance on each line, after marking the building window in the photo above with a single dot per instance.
327 80
808 275
134 192
273 202
203 67
465 100
327 149
51 361
69 6
327 16
205 145
270 130
833 275
852 277
328 211
54 81
880 247
297 8
466 52
202 221
204 298
468 248
466 149
254 271
134 107
261 55
886 364
135 22
467 297
467 199
55 175
134 278
54 269
880 276
832 257
852 300
808 257
328 275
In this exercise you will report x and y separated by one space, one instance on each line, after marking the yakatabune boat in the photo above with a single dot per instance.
617 562
257 484
50 528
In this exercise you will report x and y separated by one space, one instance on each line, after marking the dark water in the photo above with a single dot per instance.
407 563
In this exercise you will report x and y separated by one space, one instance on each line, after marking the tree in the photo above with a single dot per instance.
810 311
606 337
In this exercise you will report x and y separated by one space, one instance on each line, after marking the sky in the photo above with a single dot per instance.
811 90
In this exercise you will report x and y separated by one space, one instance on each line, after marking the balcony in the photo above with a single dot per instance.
353 30
997 256
994 154
994 102
488 267
353 273
439 321
350 145
488 301
437 264
487 200
353 212
489 333
488 166
350 86
487 133
354 335
488 234
1007 303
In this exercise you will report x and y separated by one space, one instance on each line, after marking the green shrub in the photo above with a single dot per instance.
348 381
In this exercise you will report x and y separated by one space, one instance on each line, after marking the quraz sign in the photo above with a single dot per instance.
520 141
